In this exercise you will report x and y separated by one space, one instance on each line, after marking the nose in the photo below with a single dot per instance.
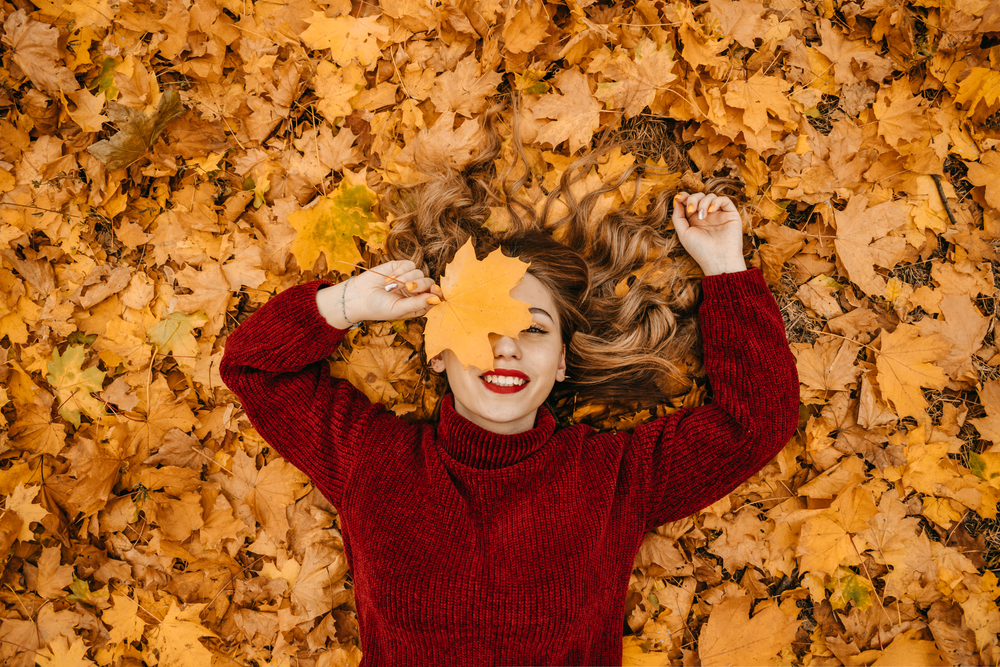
505 346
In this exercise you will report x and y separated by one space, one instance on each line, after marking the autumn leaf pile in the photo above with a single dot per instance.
166 166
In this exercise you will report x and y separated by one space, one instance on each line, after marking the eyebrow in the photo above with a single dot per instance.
542 311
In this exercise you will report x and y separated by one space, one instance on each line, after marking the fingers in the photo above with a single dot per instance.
410 284
416 306
395 267
680 222
699 205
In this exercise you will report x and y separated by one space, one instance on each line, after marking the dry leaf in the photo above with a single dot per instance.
137 132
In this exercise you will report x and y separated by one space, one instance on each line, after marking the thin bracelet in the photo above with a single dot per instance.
343 306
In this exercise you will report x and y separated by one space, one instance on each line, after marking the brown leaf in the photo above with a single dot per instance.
53 577
730 637
575 112
35 49
137 132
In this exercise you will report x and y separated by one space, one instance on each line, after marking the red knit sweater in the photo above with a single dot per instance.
471 548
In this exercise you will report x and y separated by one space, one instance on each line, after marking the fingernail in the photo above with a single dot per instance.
690 208
391 286
701 214
433 300
390 279
411 287
711 208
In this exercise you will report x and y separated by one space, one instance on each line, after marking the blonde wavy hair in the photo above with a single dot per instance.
635 345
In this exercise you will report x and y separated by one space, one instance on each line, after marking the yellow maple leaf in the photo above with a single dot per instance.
635 82
60 653
901 114
34 430
175 641
12 323
175 336
336 87
163 412
20 503
377 368
34 47
731 637
476 302
862 240
904 367
267 491
53 577
527 24
758 95
346 37
986 172
577 114
982 85
829 538
73 384
87 113
906 649
329 225
123 619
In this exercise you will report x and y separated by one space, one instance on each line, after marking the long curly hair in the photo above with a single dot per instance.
626 292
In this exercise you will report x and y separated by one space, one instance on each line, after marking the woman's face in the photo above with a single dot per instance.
526 368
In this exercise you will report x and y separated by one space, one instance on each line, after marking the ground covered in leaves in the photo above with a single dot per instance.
168 165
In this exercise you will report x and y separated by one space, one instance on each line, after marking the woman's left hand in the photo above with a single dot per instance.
710 229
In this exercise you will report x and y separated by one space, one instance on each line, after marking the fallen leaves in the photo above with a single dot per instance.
137 132
731 637
35 50
904 367
157 166
574 112
329 225
74 384
175 640
863 241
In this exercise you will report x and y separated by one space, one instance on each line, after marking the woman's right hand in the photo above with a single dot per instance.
366 296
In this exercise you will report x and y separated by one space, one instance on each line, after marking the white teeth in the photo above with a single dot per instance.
504 380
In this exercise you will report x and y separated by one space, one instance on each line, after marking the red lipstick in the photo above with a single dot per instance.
505 372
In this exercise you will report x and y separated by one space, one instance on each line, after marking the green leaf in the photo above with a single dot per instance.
105 80
977 465
80 592
847 586
73 385
175 335
137 132
329 225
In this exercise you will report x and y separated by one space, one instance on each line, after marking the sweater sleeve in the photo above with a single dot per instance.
687 460
275 363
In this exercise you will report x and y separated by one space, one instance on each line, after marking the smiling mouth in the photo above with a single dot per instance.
504 384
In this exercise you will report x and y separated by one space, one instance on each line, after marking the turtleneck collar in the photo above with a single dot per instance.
476 447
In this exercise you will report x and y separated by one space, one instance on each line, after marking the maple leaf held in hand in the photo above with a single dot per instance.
476 303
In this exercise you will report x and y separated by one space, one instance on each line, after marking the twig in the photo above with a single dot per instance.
827 333
944 199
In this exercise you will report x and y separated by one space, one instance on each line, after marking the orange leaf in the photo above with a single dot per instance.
477 302
904 367
731 637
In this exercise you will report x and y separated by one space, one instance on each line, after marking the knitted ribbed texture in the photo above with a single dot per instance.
471 548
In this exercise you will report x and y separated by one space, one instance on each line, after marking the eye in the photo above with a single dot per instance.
534 328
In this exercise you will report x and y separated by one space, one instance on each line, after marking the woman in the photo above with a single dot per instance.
491 537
